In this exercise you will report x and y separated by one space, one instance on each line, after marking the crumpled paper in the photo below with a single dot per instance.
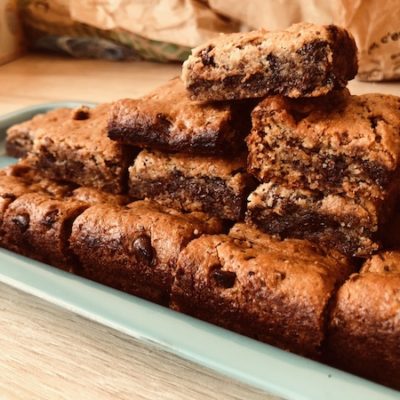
182 22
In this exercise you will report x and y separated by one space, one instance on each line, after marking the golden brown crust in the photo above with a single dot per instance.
192 183
166 119
364 327
303 60
134 248
276 291
38 226
345 144
72 145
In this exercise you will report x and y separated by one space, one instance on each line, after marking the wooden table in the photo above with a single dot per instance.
49 353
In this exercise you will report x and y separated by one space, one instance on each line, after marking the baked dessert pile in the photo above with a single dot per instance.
254 192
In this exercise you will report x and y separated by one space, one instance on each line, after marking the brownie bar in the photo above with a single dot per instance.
38 226
61 189
135 248
306 60
192 183
364 327
23 169
274 291
19 140
352 226
167 120
341 143
10 189
76 148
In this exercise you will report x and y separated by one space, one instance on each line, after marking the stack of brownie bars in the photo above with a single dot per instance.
160 196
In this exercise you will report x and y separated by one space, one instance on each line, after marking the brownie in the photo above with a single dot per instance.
19 140
276 291
186 182
38 226
364 327
94 196
168 120
352 226
24 169
75 148
135 248
341 143
306 60
10 189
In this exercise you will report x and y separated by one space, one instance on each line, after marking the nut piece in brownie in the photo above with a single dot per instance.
38 226
192 183
76 149
168 120
135 248
341 143
274 291
364 329
306 60
352 226
19 140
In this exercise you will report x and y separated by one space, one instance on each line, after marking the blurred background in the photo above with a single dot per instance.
166 30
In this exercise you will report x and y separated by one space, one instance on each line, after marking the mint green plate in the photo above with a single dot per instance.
252 362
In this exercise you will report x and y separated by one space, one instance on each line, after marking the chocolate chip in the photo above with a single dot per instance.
299 115
50 218
280 276
9 196
206 58
386 268
80 114
21 221
143 249
226 279
314 51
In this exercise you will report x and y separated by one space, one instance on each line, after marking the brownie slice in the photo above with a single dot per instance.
364 330
168 120
192 183
274 291
38 226
19 140
135 248
352 226
341 143
10 189
75 148
306 60
38 183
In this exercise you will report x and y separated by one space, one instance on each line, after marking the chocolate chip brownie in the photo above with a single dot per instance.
272 290
167 120
23 169
75 148
306 60
352 226
186 182
135 248
364 328
10 189
341 143
19 140
38 226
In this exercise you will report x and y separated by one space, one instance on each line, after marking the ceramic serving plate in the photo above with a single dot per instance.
263 366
